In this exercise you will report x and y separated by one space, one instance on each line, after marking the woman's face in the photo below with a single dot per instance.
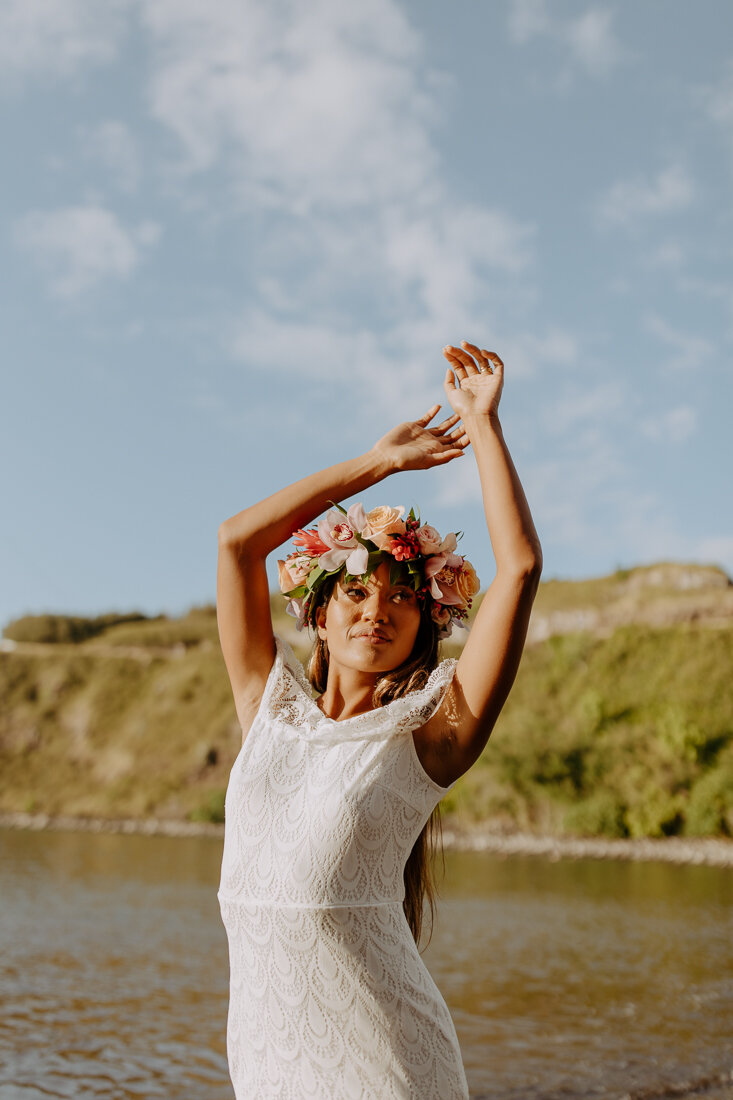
370 626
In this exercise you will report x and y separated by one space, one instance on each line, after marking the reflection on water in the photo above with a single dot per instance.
586 979
566 980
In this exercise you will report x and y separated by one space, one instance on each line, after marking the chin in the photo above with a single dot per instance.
379 658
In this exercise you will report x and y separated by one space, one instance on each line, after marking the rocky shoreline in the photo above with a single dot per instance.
705 851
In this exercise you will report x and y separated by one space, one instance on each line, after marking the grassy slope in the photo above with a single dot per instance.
623 733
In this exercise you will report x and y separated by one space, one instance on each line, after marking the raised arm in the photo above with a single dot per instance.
245 540
456 735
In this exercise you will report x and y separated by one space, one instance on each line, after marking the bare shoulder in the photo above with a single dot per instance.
437 743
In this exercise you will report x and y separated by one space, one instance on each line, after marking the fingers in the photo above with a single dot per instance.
428 416
498 365
454 440
480 356
447 456
464 364
441 429
458 437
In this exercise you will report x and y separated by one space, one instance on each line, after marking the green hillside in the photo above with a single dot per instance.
623 727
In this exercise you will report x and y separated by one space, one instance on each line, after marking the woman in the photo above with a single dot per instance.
330 800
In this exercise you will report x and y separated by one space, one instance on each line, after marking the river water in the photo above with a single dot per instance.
566 980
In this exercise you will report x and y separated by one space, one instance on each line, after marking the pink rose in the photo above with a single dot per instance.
294 572
449 543
442 571
429 539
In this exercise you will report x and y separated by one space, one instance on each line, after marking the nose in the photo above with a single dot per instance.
375 607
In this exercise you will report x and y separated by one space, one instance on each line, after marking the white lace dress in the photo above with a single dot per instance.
329 998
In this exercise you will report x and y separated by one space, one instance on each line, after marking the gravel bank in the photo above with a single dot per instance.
709 851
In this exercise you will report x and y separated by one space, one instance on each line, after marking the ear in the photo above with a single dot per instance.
321 622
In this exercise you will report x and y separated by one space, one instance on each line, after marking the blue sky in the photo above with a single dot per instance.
237 234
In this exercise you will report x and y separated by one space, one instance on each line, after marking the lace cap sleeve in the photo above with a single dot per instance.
412 711
287 689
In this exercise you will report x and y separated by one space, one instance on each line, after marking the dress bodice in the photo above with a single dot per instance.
321 813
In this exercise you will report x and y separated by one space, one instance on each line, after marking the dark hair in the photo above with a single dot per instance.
411 675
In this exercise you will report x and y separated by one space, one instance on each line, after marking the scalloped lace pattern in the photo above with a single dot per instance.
329 998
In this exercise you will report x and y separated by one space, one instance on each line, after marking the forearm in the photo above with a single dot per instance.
260 528
514 539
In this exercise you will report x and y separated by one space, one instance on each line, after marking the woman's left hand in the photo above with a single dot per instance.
480 377
414 446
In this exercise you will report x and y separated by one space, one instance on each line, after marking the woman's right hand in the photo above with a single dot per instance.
414 446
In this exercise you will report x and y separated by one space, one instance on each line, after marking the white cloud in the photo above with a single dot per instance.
445 258
670 190
718 100
673 426
528 18
79 246
57 37
320 117
580 407
317 104
593 42
113 144
687 352
668 256
588 41
526 353
428 280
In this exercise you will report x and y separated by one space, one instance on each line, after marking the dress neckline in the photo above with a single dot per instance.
351 718
405 712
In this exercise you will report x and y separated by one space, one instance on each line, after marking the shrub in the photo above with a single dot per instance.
60 629
600 815
710 809
210 810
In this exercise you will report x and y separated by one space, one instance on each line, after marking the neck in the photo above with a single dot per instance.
348 692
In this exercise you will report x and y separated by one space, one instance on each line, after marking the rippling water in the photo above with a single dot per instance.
566 980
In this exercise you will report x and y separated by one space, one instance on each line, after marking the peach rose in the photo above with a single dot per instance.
381 522
467 583
293 572
429 540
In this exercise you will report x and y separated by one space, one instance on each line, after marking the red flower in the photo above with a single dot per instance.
311 542
404 547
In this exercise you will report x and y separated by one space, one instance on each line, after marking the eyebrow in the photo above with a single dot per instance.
365 584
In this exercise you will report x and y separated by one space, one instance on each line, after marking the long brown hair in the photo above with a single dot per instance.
411 675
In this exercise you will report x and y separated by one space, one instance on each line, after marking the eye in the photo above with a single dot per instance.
402 596
354 591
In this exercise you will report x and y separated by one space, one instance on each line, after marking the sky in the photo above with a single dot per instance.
236 235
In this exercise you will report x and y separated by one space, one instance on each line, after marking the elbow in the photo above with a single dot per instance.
231 539
535 563
225 535
530 573
526 569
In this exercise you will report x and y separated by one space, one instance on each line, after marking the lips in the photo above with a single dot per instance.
373 636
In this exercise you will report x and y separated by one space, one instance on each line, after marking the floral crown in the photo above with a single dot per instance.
359 541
